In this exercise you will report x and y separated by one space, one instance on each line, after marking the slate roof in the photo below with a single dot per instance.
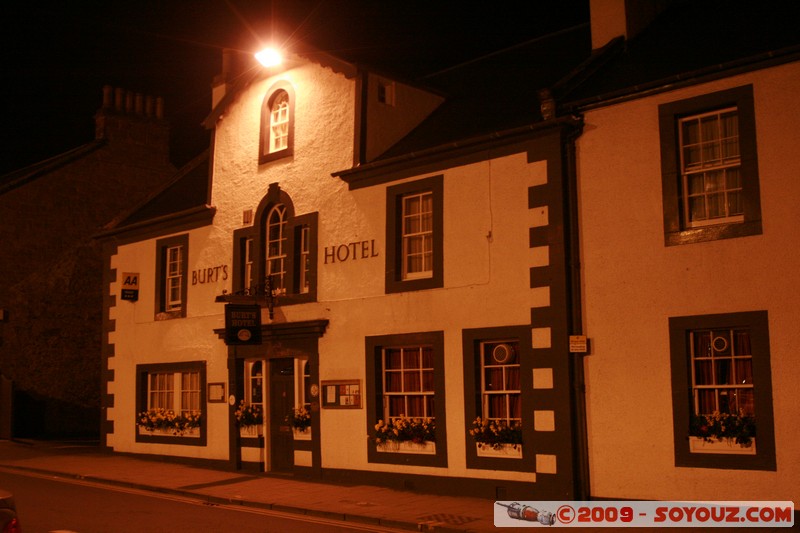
691 40
187 191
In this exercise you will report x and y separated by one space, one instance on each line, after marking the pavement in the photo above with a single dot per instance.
363 504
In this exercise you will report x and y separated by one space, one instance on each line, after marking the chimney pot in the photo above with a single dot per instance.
139 104
107 96
118 99
148 106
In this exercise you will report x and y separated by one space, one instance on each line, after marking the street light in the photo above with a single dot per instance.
269 57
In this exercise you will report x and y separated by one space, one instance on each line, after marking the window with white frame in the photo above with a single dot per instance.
162 393
417 235
175 387
711 168
247 275
254 379
414 235
722 389
406 378
280 247
304 265
276 245
279 122
171 272
408 386
722 371
174 278
501 399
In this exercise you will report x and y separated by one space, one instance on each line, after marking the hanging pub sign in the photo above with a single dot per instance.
130 286
242 324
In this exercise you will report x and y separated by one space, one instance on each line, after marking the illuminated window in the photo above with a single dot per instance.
254 379
498 367
277 123
405 378
501 400
279 245
408 387
720 368
176 387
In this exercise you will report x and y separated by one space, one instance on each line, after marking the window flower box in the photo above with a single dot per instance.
727 446
406 435
407 446
497 438
169 432
726 433
504 451
248 415
164 422
251 431
301 434
300 420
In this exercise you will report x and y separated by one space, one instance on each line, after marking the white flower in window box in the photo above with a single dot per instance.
723 433
497 438
165 422
300 420
406 435
250 419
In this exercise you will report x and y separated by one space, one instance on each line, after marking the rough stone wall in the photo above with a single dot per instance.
50 281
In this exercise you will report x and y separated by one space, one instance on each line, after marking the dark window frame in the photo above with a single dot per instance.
264 155
257 231
675 232
142 373
680 361
394 242
374 396
162 245
471 340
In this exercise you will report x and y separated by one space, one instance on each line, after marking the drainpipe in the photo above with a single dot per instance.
580 458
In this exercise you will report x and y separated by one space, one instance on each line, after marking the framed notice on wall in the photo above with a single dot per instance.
216 392
341 394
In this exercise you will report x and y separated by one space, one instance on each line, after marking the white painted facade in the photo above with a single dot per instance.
633 283
486 280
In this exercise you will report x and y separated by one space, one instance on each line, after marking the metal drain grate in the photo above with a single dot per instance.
446 518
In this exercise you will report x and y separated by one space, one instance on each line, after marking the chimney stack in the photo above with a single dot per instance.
133 121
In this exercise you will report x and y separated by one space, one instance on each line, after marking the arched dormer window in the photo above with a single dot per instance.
277 123
279 245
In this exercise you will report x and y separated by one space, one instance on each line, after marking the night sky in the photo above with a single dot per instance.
57 56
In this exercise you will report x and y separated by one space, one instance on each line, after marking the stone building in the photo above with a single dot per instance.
51 267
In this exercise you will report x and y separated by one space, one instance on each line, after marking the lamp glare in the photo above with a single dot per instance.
269 57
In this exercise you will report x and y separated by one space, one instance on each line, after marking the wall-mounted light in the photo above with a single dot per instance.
269 57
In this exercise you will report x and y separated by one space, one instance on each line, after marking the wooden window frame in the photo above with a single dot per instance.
161 292
676 231
682 395
395 281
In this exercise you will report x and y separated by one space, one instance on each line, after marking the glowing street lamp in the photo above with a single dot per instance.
269 57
